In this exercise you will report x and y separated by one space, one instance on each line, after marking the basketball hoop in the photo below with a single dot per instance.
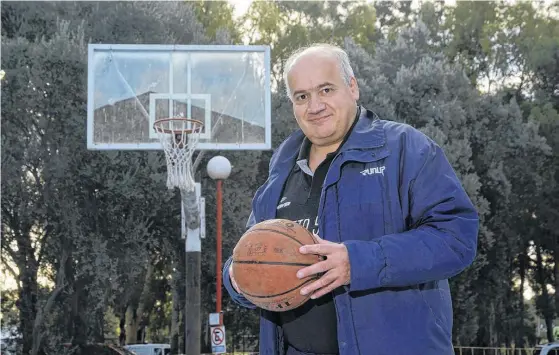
179 137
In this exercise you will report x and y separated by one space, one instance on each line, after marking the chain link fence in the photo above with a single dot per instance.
248 345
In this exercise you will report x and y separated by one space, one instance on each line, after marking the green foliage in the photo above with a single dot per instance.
216 17
86 216
287 25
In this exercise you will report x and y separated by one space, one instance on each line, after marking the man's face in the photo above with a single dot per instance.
323 104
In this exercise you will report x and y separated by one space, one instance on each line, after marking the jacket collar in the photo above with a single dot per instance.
366 134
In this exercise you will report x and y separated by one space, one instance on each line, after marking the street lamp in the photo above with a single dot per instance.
219 169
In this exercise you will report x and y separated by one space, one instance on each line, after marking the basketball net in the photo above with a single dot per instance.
179 137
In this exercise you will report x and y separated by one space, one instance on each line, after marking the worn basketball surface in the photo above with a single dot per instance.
265 263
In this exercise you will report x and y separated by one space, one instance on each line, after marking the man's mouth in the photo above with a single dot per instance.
319 119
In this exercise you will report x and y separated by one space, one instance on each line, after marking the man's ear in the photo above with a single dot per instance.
354 88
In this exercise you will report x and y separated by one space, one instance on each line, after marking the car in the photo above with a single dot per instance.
97 349
547 349
149 349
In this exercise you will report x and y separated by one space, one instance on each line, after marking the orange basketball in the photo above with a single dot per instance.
265 263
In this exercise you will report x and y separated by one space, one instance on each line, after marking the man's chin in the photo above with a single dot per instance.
322 140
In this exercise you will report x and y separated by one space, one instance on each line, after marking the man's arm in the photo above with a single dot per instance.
235 296
443 238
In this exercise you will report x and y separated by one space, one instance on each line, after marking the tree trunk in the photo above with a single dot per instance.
59 286
175 313
182 313
546 308
28 309
28 267
179 312
556 273
131 324
69 299
98 328
122 333
492 333
519 338
135 314
79 313
144 297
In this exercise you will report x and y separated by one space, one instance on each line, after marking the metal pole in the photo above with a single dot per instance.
218 248
191 231
192 310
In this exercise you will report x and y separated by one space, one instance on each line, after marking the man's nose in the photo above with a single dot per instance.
316 105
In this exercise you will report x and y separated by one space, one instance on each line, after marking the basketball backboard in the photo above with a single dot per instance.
226 87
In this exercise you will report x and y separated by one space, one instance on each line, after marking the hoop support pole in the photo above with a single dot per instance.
219 223
192 274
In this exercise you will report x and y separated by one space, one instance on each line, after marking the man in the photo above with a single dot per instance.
393 218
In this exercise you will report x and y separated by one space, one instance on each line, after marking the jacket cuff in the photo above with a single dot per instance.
235 296
368 265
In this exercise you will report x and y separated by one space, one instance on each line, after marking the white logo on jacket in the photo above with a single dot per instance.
283 203
373 171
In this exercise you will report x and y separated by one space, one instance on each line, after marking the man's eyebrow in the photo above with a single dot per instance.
315 88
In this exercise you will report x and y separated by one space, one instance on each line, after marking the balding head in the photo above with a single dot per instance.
324 94
316 51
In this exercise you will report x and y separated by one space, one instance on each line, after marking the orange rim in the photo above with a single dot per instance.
196 124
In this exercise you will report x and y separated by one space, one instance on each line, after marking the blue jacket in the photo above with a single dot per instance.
394 200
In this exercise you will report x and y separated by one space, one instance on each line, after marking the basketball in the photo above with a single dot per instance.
265 263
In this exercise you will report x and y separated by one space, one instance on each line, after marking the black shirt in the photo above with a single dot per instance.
313 326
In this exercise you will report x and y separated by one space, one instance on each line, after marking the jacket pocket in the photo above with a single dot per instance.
393 314
439 303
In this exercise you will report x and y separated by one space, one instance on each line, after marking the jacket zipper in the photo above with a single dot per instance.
374 157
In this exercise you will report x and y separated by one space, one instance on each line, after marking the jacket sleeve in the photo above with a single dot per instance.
235 296
442 239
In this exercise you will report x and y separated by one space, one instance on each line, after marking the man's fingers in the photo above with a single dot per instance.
317 268
324 281
327 289
320 240
320 249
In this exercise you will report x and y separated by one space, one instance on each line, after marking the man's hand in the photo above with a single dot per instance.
233 279
335 267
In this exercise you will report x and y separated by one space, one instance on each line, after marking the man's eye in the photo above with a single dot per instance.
327 90
301 97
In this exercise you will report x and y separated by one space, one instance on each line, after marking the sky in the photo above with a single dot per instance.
240 6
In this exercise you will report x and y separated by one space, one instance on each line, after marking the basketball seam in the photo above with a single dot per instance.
298 304
312 236
278 294
278 232
270 263
291 305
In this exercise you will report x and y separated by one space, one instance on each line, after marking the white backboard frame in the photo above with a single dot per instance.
92 48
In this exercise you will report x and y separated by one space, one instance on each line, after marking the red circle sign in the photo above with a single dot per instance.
217 336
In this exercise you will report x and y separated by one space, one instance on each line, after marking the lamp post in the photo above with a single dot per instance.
219 169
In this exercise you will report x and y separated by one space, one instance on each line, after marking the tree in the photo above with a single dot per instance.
509 51
72 211
287 25
217 20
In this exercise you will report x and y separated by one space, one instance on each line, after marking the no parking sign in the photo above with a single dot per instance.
218 339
